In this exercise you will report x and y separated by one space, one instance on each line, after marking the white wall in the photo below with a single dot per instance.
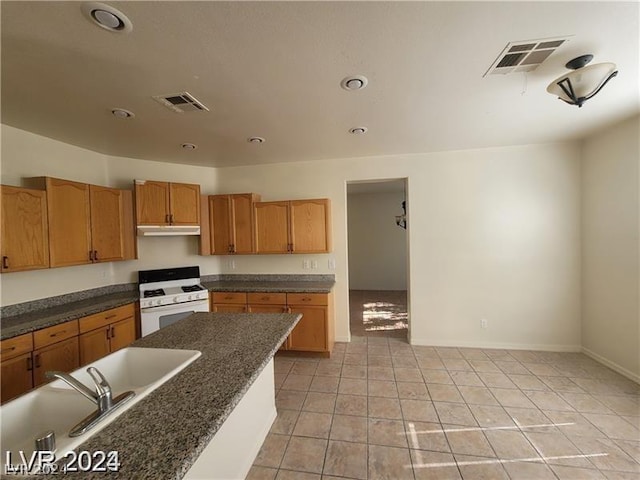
24 154
611 247
493 234
377 246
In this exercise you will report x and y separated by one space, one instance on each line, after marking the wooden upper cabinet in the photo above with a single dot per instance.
231 223
310 226
164 203
184 204
296 226
69 222
24 235
107 225
220 224
152 202
272 227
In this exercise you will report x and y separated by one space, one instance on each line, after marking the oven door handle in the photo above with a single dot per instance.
184 306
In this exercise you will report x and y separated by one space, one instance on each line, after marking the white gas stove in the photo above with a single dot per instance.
169 295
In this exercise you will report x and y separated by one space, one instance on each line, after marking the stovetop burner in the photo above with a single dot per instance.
159 292
192 288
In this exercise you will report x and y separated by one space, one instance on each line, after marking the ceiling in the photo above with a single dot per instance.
273 69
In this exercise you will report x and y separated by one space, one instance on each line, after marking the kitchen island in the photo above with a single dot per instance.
163 435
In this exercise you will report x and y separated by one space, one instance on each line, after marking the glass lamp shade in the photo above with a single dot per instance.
585 81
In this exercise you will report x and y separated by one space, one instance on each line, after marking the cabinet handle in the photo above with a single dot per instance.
113 332
171 219
37 360
57 333
167 218
110 316
306 299
108 330
233 248
5 262
91 255
229 249
288 309
95 255
9 349
29 364
265 298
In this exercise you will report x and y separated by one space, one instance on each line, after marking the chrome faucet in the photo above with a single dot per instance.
102 397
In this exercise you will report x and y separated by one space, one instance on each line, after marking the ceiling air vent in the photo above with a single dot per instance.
181 102
524 56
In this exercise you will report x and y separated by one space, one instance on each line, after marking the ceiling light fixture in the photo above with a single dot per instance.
256 140
582 83
354 82
122 113
107 17
358 130
189 146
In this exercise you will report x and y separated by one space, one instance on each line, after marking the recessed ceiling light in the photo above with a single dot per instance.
354 82
358 130
256 140
107 17
189 146
122 113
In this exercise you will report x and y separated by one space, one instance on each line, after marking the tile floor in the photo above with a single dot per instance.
378 313
382 409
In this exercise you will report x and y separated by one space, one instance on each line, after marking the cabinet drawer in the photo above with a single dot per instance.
107 317
307 299
256 298
57 333
12 347
229 297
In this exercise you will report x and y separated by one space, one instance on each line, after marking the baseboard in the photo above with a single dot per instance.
612 365
508 346
343 339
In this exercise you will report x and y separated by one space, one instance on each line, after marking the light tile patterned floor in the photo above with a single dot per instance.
382 409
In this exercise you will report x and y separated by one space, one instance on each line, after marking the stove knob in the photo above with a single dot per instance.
176 299
190 297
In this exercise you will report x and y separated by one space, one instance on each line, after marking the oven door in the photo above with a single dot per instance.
155 318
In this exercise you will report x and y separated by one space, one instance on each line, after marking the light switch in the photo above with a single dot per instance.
314 264
332 263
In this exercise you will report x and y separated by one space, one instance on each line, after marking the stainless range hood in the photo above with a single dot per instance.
167 230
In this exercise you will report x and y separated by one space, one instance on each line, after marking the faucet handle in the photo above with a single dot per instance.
102 386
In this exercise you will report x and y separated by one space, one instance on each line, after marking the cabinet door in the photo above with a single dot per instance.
310 226
123 333
94 345
24 229
220 224
310 334
69 222
63 356
16 376
152 202
242 223
106 223
272 227
184 201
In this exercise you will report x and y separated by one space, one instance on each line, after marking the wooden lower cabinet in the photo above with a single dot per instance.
106 332
310 335
314 331
16 376
62 356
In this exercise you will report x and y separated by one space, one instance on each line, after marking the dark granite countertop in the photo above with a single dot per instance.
281 286
45 316
30 321
163 435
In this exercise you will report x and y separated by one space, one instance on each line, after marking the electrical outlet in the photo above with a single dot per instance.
483 323
231 263
314 264
306 265
331 263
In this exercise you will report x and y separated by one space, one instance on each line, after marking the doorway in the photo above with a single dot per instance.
377 252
